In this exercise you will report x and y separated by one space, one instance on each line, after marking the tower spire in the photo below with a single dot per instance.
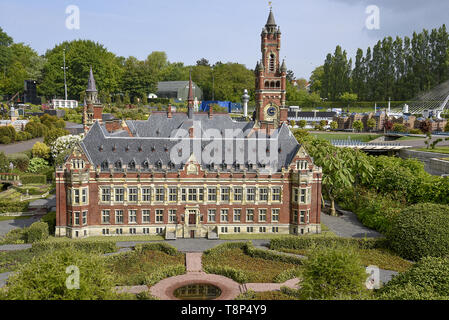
91 87
190 96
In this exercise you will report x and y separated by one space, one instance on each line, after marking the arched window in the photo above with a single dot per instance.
159 164
118 165
132 165
272 62
272 84
146 165
278 84
267 84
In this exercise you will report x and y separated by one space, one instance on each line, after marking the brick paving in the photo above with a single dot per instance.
193 262
261 287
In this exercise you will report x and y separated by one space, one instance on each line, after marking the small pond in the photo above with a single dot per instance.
197 291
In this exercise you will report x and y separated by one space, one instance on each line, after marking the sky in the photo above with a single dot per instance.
219 30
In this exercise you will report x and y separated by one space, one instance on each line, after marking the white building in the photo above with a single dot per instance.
61 103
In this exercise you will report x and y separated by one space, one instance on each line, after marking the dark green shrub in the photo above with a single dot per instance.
249 249
38 231
308 242
159 246
5 140
99 246
419 231
428 279
19 160
15 236
13 206
50 220
45 278
332 273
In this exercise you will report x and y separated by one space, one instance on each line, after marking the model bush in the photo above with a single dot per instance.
33 179
13 206
165 272
99 246
300 243
37 165
19 160
41 150
229 272
420 230
159 246
38 231
50 220
332 273
426 280
44 278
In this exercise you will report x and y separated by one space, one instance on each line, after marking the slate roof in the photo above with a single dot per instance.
151 147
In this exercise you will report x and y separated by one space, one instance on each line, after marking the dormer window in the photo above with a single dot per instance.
146 165
301 165
100 148
78 164
118 165
132 165
140 148
104 166
127 148
159 164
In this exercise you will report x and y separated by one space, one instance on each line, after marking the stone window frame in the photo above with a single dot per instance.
172 196
263 215
222 215
103 194
239 215
119 194
145 215
210 214
133 197
225 194
250 215
119 218
263 196
172 216
144 194
108 215
275 215
159 215
132 216
277 195
84 217
76 220
248 194
212 194
238 196
159 194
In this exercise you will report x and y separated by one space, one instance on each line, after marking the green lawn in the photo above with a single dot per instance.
444 150
255 269
112 238
4 218
364 137
407 138
131 268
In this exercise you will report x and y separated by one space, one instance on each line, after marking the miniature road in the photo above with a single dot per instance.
20 146
348 226
8 225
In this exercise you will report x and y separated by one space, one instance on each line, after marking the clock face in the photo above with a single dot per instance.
271 111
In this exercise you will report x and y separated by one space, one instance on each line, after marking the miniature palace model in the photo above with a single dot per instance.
167 176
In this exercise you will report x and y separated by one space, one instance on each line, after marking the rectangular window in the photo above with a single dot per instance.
224 215
236 229
132 216
225 194
275 229
172 216
145 216
250 194
302 216
211 215
119 231
249 229
184 194
146 194
105 216
119 194
262 215
263 194
77 218
237 215
212 194
249 215
275 215
238 194
159 215
76 196
118 216
84 218
160 194
132 231
224 229
295 195
70 217
84 196
146 230
172 194
105 194
262 229
295 216
132 194
303 196
105 231
276 194
193 194
159 230
201 194
301 165
308 216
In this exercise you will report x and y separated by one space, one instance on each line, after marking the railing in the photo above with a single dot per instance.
355 143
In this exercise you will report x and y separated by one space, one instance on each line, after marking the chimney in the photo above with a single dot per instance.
169 114
210 112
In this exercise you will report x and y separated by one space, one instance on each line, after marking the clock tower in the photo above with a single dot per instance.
271 77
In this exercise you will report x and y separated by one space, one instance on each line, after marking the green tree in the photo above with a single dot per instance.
54 134
371 123
332 273
302 124
41 150
357 125
334 125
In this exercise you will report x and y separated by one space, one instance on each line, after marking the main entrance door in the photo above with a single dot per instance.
192 219
192 234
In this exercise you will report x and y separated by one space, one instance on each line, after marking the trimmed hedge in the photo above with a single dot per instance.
13 206
33 179
307 242
235 274
419 231
249 249
38 231
82 245
166 272
159 246
50 219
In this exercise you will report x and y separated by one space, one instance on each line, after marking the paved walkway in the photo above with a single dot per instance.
8 225
193 262
348 226
20 146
